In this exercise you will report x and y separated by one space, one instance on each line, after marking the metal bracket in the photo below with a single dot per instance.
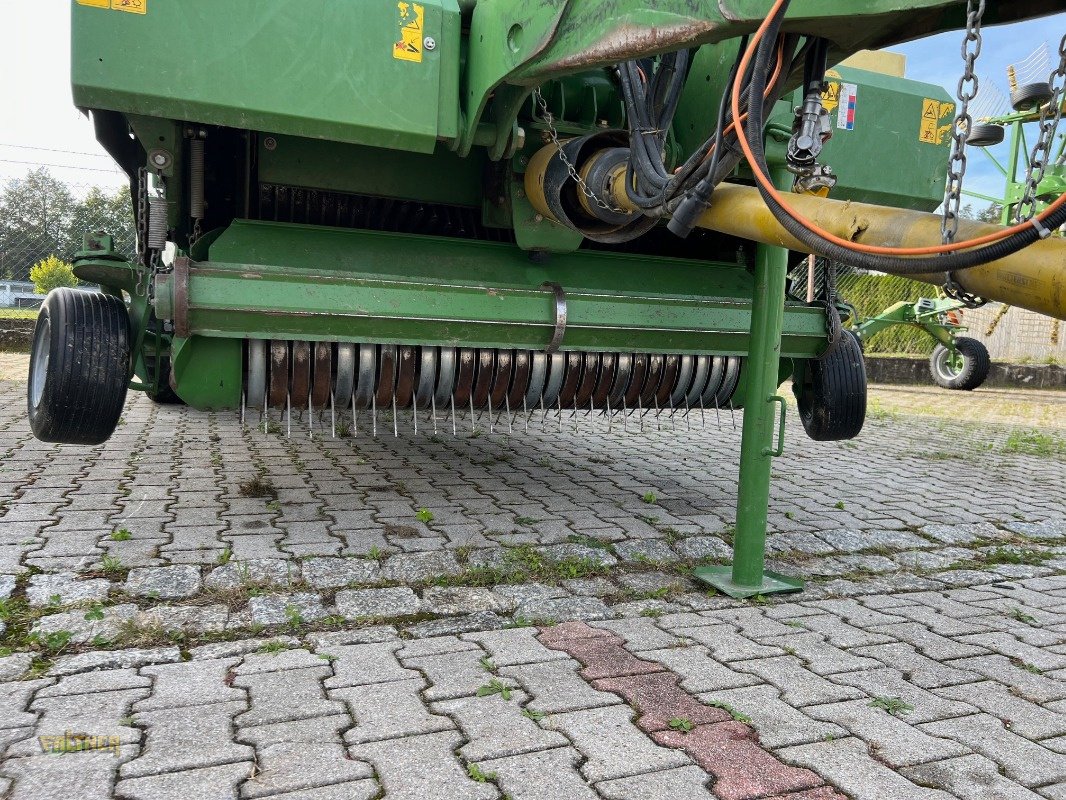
780 449
560 317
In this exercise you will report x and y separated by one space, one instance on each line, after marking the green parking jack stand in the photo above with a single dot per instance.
746 577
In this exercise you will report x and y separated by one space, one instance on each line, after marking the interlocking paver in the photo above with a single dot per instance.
389 711
688 782
286 696
217 782
612 746
523 777
777 723
496 727
1026 762
848 764
423 768
86 776
971 777
799 686
187 738
189 683
555 686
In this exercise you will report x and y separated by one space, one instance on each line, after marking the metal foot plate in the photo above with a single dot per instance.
721 578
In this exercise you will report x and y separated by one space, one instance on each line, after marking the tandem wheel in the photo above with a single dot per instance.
964 368
79 367
831 394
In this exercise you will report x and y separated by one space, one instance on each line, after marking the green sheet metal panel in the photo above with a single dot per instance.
327 69
891 138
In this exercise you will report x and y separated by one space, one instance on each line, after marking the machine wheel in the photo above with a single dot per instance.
1030 96
79 367
166 396
965 369
985 135
832 397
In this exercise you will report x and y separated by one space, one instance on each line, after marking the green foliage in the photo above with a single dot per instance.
51 273
121 535
681 724
650 498
495 686
893 705
424 515
477 774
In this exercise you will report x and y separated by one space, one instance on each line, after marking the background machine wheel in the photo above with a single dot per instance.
832 393
964 368
79 367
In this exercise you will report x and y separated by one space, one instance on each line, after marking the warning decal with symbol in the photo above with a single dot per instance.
933 111
412 19
132 6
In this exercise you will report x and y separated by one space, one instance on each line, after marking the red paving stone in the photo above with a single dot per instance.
658 699
569 631
743 770
727 750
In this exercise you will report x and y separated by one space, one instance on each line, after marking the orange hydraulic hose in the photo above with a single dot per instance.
768 186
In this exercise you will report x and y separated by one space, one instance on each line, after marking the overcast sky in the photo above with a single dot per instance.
37 109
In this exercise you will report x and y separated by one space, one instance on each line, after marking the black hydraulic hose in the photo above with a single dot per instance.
922 265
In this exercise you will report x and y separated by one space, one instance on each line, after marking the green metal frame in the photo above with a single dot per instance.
927 314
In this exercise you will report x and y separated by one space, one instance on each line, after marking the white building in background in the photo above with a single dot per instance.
19 294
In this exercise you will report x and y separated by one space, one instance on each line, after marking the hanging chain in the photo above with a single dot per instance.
967 91
142 230
1041 155
549 120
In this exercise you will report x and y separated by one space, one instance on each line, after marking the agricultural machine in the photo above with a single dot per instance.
553 206
957 362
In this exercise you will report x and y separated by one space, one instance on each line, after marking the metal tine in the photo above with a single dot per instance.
543 414
625 415
507 405
472 421
610 415
688 418
491 427
433 411
288 415
332 414
703 417
732 414
525 413
414 409
658 425
574 415
310 418
717 413
454 431
244 398
374 416
266 415
395 420
559 402
640 413
355 418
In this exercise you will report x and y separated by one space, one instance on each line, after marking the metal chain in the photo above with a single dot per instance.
1041 155
967 91
549 120
142 230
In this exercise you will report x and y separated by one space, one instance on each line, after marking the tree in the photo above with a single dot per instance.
51 273
35 216
993 213
109 213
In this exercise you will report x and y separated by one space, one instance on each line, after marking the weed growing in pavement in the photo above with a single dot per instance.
681 724
224 557
526 521
650 498
495 686
274 646
111 565
257 487
1033 668
839 505
736 715
488 664
293 616
1021 616
424 515
1034 443
121 535
893 705
476 774
274 505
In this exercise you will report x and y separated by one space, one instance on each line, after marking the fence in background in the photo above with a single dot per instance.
41 216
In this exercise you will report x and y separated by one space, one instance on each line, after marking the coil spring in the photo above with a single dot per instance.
196 178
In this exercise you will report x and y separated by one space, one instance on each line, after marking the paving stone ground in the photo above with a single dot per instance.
234 613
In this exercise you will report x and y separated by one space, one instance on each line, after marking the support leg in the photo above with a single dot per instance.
746 576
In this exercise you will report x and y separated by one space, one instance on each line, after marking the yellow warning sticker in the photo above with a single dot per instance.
933 111
132 6
831 96
412 19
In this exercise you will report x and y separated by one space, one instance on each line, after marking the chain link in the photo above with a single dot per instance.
142 230
549 120
1041 155
967 91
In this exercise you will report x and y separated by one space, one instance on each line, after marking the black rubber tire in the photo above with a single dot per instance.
1030 96
832 397
985 135
976 364
79 367
166 396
